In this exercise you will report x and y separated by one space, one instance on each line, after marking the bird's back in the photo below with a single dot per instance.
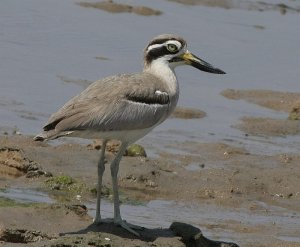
116 103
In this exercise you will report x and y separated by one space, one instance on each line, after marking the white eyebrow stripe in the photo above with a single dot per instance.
174 42
155 46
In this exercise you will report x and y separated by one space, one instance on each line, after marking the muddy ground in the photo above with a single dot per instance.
207 173
286 102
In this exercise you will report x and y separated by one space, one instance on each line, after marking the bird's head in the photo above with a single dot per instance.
172 50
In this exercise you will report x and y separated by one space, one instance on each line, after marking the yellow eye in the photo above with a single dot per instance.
172 48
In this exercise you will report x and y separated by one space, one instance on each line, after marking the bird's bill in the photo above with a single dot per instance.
198 63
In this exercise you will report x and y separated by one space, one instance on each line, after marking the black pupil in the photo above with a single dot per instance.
172 47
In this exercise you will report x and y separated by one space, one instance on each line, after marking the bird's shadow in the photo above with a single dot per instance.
191 236
148 235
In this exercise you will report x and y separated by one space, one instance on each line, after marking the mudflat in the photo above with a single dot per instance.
254 198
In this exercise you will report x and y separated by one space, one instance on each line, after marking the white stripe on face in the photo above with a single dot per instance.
151 47
174 42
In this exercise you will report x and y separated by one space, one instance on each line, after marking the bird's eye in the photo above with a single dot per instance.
172 47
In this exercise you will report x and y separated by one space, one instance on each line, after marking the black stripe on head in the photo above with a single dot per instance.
156 53
159 51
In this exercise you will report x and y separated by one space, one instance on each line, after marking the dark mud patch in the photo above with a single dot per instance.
112 146
133 150
283 8
78 209
22 236
268 126
14 163
294 113
187 113
101 58
259 27
111 7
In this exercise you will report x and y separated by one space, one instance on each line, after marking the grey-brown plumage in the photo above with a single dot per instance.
126 107
117 103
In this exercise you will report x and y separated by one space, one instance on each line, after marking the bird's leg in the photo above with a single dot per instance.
101 168
114 168
114 173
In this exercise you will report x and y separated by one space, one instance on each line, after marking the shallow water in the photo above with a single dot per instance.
40 42
160 214
26 195
226 222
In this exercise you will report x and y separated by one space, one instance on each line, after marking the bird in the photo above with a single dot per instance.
126 107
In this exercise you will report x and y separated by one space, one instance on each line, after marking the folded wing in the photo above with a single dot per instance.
124 102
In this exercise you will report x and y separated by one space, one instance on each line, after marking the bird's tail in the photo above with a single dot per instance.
43 136
50 135
39 138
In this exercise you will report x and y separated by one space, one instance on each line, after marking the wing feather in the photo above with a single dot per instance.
124 102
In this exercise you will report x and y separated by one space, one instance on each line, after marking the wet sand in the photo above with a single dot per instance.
287 102
112 7
217 175
246 5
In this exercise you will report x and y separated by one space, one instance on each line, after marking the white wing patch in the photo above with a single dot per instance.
158 92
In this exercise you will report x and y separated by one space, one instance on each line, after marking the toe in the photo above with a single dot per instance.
124 225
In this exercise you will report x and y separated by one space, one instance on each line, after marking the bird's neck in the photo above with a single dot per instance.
162 70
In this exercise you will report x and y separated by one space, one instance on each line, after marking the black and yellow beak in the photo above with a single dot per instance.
198 63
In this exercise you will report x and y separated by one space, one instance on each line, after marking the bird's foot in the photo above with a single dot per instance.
122 223
98 220
129 227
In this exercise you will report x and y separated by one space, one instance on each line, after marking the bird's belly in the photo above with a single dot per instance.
129 136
